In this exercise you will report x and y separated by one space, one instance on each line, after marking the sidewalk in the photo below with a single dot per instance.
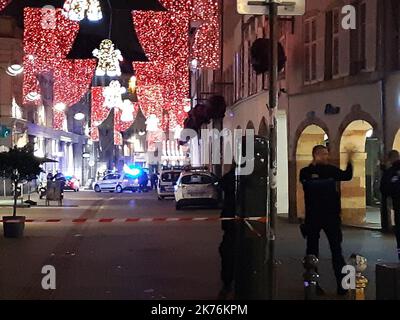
290 251
9 202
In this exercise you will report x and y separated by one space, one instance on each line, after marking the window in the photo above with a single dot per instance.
198 179
310 50
170 177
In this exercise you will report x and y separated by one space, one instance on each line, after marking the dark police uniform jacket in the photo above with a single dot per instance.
321 194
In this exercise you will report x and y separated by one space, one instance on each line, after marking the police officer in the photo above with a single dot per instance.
390 187
322 204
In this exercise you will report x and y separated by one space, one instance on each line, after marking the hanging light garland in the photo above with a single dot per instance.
207 42
113 95
164 37
109 59
76 10
45 50
3 4
124 115
59 119
123 119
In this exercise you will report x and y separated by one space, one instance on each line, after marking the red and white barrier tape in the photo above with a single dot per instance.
136 220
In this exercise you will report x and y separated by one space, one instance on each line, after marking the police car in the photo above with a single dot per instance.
166 183
197 187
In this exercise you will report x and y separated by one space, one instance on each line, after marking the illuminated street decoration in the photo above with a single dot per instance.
45 50
100 112
151 101
164 37
109 59
132 84
76 10
129 112
118 139
3 4
113 95
207 43
94 134
59 119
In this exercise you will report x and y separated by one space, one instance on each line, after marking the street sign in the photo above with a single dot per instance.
260 7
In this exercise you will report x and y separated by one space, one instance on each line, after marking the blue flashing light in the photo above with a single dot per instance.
132 171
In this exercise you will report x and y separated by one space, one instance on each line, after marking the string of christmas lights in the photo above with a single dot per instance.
118 139
207 42
46 45
3 4
100 113
164 37
94 134
151 101
119 123
59 118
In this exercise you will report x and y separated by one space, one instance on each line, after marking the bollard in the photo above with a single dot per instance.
360 263
310 277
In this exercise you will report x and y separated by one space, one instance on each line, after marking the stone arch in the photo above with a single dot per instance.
353 193
310 136
306 123
396 141
355 114
250 125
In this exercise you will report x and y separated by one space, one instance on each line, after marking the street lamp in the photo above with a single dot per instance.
79 116
14 70
33 96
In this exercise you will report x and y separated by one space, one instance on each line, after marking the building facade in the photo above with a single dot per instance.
32 124
340 87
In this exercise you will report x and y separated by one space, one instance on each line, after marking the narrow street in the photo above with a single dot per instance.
107 253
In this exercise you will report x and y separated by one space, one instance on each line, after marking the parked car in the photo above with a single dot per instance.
197 188
115 182
72 183
166 183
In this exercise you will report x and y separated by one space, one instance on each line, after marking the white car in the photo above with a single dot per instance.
166 183
115 182
197 188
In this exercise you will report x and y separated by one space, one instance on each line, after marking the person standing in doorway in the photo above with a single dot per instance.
323 208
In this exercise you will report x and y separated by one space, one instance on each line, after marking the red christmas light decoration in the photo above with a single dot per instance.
122 126
151 101
99 112
118 139
164 37
46 45
3 4
94 134
58 120
207 42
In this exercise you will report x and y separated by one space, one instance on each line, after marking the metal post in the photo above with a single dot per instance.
273 105
310 276
360 263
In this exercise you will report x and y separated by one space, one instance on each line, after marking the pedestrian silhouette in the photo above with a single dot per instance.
390 187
